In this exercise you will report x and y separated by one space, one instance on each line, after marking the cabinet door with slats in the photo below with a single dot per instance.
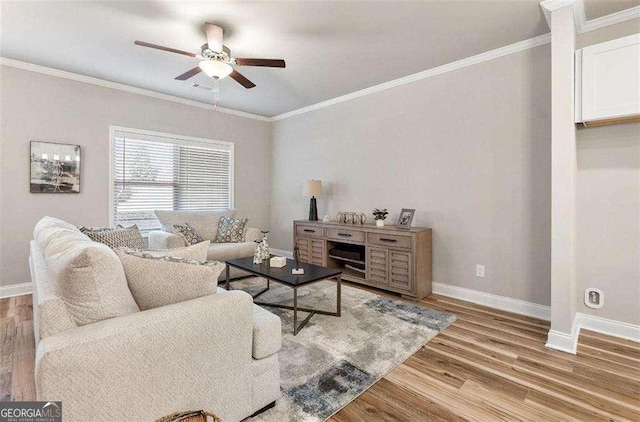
317 248
400 270
304 249
378 265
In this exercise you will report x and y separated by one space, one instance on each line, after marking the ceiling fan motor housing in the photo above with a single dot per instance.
209 54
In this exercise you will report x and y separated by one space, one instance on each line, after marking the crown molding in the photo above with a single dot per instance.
126 88
584 25
469 61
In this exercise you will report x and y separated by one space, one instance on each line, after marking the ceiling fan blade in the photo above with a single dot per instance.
189 74
241 79
261 62
214 37
159 47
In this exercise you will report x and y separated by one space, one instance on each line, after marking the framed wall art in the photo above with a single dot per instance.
55 168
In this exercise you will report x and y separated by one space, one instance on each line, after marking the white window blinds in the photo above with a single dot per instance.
152 171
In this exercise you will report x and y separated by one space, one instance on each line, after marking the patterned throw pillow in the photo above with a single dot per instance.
116 237
231 230
157 281
189 233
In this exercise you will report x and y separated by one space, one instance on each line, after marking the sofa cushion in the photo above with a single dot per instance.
205 223
197 252
224 251
231 230
267 331
160 281
85 274
116 237
188 233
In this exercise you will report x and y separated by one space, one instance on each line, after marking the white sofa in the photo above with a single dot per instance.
217 353
205 224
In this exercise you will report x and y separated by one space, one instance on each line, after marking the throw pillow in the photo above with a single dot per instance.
189 233
197 252
86 275
160 281
231 229
116 237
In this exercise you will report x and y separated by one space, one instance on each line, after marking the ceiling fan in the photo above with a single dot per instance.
216 58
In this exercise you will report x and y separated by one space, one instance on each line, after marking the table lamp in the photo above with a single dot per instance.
313 188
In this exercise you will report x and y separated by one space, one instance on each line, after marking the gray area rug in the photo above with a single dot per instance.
333 360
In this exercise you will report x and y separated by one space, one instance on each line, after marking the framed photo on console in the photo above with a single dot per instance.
405 219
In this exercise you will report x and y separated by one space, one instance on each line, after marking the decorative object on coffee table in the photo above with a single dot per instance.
296 255
379 216
405 219
191 416
55 168
262 250
313 188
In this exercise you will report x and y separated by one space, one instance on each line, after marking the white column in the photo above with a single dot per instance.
562 335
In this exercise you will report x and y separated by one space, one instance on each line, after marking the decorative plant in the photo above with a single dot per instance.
380 214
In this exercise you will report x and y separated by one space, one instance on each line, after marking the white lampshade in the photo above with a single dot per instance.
313 188
67 158
45 157
56 157
216 70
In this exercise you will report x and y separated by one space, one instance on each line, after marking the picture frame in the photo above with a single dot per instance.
55 168
405 218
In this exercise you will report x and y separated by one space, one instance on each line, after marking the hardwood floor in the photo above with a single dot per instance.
488 365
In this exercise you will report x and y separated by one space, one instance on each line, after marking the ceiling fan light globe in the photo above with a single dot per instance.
215 69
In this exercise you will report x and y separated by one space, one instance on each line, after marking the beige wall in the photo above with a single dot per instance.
469 149
608 33
608 218
46 108
608 207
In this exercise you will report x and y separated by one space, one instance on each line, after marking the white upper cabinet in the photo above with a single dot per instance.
608 80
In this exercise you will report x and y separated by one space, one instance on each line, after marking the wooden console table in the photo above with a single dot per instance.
394 259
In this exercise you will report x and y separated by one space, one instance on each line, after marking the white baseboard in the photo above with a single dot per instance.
15 290
563 341
609 327
281 252
503 303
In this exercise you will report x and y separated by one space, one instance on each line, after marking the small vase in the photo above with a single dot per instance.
380 223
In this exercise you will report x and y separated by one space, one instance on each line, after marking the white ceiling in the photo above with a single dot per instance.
331 49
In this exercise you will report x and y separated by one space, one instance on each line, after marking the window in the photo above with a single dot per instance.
156 171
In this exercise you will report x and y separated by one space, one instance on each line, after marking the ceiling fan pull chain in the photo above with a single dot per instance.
216 93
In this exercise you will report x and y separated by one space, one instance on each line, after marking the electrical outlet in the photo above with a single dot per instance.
594 298
480 270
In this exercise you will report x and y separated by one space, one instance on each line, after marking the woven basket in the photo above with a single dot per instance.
193 416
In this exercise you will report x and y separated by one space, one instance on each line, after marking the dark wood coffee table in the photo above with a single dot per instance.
312 274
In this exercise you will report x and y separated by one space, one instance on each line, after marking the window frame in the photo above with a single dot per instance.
119 131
